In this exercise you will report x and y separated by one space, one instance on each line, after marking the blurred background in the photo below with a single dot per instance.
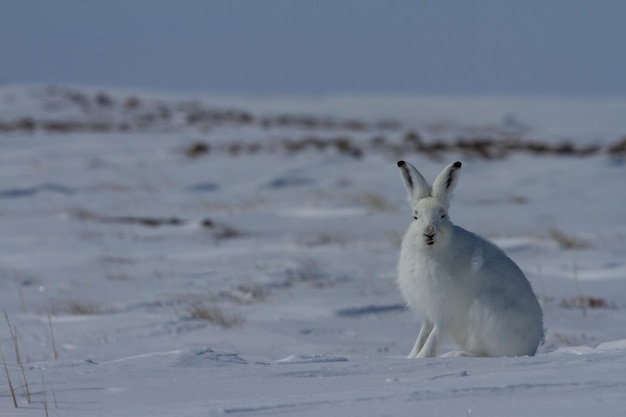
287 47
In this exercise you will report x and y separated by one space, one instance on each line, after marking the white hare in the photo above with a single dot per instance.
460 284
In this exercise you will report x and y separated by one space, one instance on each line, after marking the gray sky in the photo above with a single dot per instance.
438 47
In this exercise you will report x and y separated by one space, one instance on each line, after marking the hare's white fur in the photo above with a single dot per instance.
460 284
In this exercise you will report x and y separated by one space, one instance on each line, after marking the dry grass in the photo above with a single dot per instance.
197 149
140 114
55 353
618 148
586 302
564 339
18 358
145 115
83 309
566 241
77 308
219 230
8 376
214 315
45 397
496 146
582 302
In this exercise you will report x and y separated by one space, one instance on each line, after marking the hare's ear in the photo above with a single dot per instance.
415 184
444 184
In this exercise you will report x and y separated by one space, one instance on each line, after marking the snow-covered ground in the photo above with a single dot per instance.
186 257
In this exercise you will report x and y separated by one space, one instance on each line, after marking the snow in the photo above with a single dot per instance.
273 292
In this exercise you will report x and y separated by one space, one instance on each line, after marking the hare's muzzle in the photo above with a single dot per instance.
429 234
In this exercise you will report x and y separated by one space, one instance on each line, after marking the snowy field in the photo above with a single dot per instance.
176 256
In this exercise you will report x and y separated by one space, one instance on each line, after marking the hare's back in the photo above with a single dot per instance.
490 268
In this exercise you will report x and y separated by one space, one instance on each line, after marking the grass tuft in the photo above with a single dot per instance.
18 357
566 241
83 309
586 302
214 315
6 372
55 353
77 308
45 397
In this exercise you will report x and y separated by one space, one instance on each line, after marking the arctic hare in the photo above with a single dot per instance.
460 284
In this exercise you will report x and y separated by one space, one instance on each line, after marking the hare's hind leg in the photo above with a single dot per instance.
427 328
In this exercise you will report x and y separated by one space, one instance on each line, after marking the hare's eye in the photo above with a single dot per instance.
415 216
443 215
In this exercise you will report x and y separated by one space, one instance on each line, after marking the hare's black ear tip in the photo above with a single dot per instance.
401 164
457 164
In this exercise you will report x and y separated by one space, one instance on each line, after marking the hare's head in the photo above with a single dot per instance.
431 226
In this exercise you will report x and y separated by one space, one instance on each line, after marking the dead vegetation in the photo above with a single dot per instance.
566 339
478 147
220 231
24 385
198 310
101 112
618 148
567 241
8 377
197 149
586 303
18 359
77 308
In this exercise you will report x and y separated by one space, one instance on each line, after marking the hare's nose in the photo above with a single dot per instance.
429 231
